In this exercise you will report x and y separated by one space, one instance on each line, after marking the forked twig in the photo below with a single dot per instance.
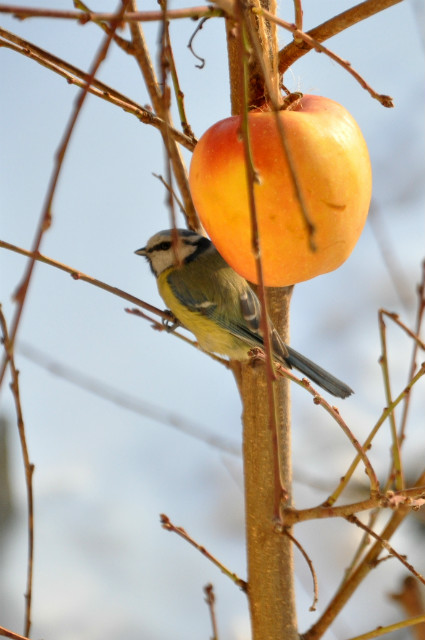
385 545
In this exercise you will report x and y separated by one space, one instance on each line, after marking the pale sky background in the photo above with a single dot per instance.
104 568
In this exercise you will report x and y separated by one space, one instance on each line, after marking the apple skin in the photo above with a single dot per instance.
332 165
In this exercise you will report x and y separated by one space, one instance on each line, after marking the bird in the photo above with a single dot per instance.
218 305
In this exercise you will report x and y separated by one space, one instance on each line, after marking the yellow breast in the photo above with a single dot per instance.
210 336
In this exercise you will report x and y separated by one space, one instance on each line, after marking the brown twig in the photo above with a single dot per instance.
28 466
293 51
385 100
366 445
79 275
333 411
79 78
46 215
210 600
7 633
348 587
169 526
141 54
413 498
385 545
298 18
170 190
83 17
310 566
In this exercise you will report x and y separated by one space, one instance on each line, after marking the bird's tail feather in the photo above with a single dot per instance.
317 374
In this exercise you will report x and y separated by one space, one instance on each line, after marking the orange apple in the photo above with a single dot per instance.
332 166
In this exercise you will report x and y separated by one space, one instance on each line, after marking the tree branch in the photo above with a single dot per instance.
294 50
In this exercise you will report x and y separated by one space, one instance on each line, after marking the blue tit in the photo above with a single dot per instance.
217 305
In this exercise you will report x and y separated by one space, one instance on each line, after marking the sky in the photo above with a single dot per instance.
103 472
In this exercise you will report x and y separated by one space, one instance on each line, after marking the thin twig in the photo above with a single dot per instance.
170 190
385 100
190 43
366 445
413 498
310 566
210 600
179 95
141 54
397 475
298 18
293 51
79 275
370 560
396 626
83 17
74 75
7 633
28 466
46 215
334 412
169 526
385 545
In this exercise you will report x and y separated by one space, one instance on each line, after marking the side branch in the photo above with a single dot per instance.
413 498
313 43
296 49
23 13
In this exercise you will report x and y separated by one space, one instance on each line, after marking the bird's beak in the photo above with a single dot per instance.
141 252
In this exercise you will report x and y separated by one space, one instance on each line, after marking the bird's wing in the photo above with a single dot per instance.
245 320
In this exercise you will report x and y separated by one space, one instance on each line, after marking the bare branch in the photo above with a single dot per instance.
76 76
83 17
293 51
385 100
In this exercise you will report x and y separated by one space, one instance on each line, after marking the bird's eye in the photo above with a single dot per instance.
163 246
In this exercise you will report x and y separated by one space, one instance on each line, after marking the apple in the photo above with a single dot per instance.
332 166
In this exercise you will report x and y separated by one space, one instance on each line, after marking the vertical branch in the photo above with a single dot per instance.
29 469
269 554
